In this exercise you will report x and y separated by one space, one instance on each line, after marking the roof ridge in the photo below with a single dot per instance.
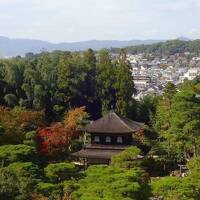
130 120
123 122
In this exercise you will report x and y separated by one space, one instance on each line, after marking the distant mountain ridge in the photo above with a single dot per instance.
14 47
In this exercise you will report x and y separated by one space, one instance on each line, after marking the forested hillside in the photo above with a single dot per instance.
169 47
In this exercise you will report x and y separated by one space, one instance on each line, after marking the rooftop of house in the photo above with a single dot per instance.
102 151
113 123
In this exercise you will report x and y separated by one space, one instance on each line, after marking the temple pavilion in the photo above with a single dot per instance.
110 135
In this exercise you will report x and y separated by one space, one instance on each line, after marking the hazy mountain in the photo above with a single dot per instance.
14 47
184 38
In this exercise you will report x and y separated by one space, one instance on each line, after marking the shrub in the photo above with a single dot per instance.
16 153
60 171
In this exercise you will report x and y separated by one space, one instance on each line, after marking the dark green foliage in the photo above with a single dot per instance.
30 138
8 184
163 110
185 122
177 122
196 80
11 100
166 154
1 131
49 189
105 80
77 145
55 82
172 188
146 109
124 85
169 47
18 181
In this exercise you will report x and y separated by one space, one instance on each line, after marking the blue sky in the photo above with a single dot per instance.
77 20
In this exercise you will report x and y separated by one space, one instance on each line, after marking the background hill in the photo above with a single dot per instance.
167 47
13 47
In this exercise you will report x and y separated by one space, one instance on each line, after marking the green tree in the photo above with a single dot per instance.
124 85
60 171
14 74
8 184
16 153
45 89
71 78
163 110
185 122
167 155
193 180
170 188
11 100
146 109
51 190
60 181
112 183
127 158
105 79
2 69
30 139
18 181
89 61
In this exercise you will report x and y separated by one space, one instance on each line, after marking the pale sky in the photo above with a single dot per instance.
78 20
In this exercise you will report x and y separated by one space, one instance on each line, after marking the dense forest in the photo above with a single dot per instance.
55 82
45 100
168 48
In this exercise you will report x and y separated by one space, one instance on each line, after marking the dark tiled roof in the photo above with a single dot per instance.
113 123
101 151
96 153
107 146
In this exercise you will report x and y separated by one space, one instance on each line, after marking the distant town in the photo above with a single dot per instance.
152 72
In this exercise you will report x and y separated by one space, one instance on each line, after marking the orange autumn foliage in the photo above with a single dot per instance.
16 122
57 138
140 136
76 117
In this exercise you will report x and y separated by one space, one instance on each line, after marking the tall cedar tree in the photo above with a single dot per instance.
105 79
124 85
185 121
163 110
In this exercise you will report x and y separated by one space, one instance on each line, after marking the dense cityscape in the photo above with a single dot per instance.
151 73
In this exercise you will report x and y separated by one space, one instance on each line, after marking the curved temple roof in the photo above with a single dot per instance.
113 123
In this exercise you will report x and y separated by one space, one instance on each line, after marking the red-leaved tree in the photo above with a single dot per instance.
55 141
